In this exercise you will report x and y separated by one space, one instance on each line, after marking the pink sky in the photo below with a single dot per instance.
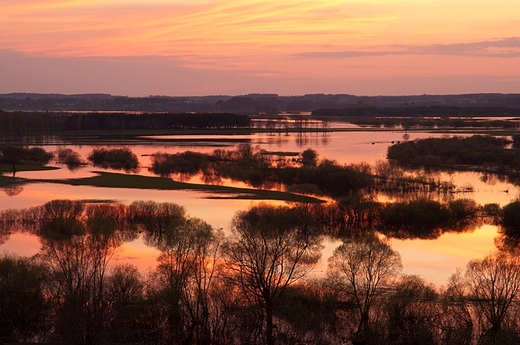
205 47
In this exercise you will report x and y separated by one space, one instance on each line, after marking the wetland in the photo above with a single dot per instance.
333 182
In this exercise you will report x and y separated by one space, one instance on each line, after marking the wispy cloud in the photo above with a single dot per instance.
501 48
203 27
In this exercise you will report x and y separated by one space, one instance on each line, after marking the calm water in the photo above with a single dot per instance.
435 260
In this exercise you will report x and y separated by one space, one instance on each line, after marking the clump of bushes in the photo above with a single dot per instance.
118 159
69 157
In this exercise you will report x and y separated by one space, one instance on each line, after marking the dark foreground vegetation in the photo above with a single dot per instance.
253 286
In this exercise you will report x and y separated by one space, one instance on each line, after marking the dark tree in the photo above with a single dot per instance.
268 251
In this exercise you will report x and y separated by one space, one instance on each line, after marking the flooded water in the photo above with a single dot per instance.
434 260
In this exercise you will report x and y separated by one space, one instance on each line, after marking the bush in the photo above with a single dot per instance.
118 159
69 157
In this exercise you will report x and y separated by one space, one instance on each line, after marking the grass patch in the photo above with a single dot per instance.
8 168
115 180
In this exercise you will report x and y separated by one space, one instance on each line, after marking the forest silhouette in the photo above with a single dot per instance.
252 284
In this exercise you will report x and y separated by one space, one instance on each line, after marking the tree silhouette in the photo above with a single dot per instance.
494 285
268 251
362 269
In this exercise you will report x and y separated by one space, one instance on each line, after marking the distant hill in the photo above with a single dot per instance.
247 104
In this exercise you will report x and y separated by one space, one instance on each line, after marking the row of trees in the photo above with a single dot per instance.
40 122
253 286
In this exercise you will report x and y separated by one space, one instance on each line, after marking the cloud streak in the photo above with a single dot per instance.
500 48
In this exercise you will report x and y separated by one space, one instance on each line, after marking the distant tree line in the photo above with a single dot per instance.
425 122
253 286
418 111
249 104
40 122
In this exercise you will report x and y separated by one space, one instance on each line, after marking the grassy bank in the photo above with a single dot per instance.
115 180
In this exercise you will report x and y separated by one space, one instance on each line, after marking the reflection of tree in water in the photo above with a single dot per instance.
509 226
64 219
13 189
155 220
4 234
428 219
356 214
312 139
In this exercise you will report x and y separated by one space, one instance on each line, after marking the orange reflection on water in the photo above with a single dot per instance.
436 260
137 254
433 260
21 244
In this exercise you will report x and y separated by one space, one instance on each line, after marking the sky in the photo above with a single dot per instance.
233 47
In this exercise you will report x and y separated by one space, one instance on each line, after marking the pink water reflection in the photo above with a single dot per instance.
435 260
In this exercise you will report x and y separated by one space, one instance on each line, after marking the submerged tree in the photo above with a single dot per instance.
185 274
413 312
269 250
309 157
494 285
77 265
362 269
457 321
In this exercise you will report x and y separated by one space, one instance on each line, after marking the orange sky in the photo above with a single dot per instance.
200 47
